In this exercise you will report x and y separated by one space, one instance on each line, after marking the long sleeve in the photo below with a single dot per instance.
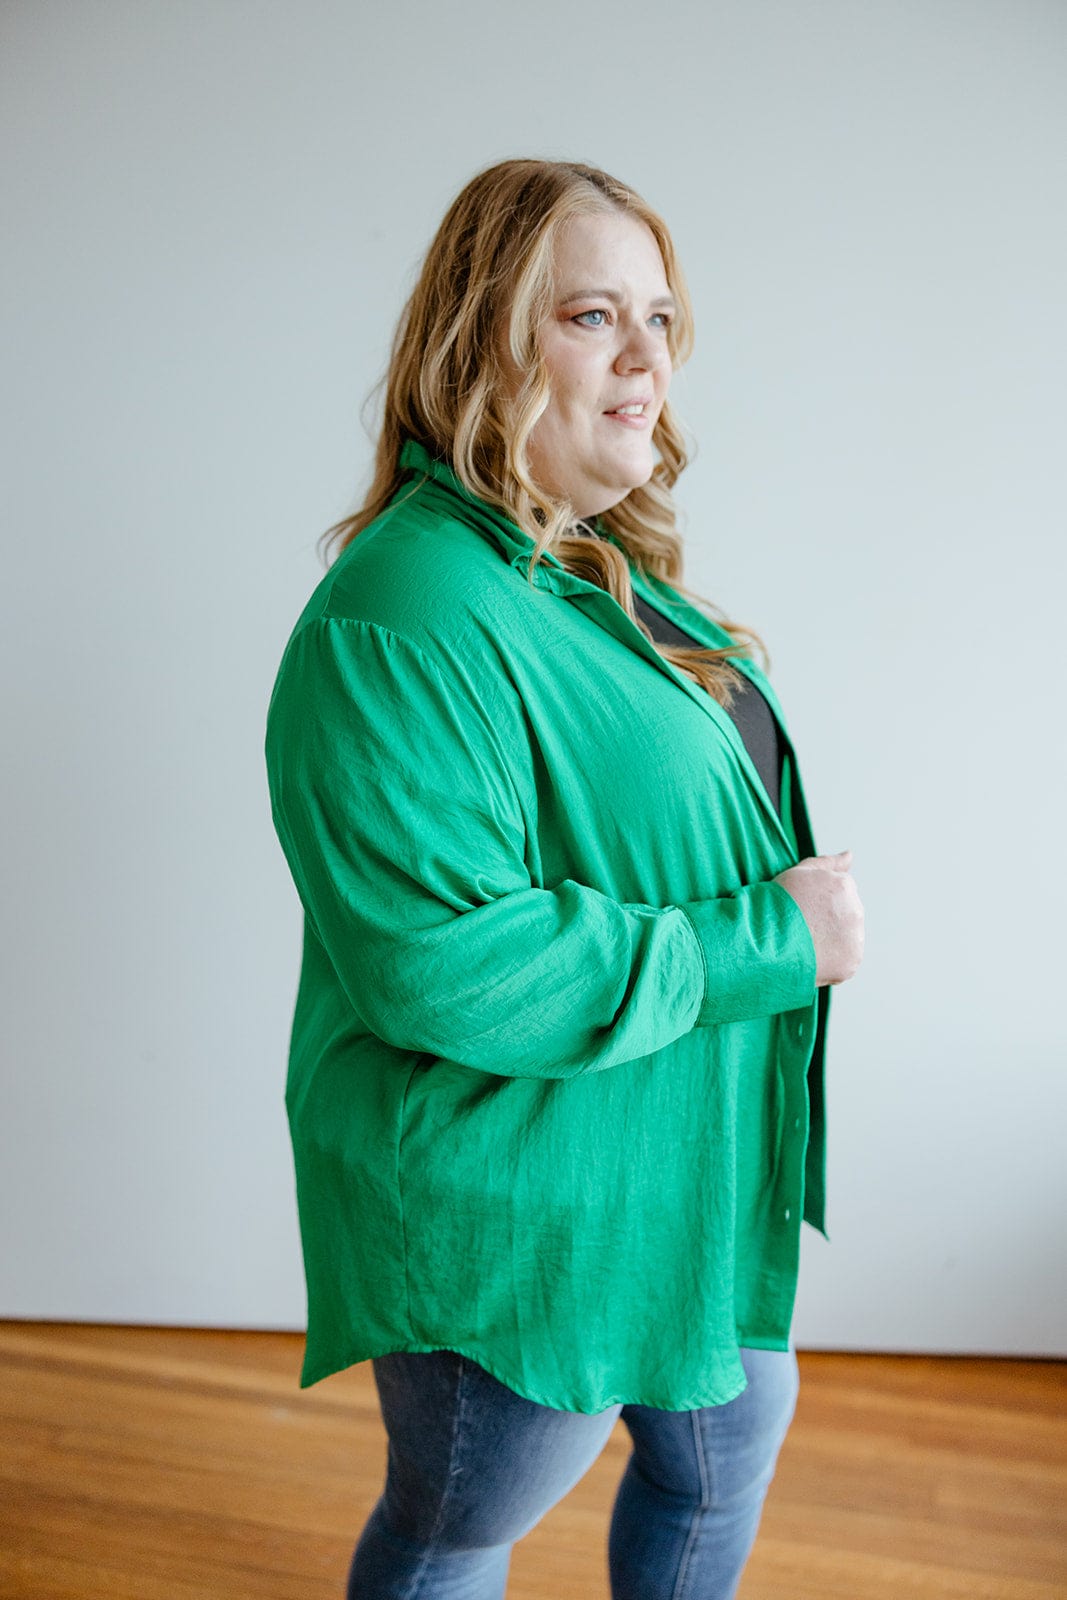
393 790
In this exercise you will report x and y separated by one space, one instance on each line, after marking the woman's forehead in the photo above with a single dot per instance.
607 251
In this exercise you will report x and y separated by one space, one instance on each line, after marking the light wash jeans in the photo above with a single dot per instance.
472 1466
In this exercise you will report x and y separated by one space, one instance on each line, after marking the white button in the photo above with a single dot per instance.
788 1213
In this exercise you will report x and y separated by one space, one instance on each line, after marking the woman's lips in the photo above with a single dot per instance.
639 419
628 416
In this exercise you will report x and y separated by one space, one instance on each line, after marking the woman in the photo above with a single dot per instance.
556 1063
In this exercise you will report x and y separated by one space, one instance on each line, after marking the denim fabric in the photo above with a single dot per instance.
472 1467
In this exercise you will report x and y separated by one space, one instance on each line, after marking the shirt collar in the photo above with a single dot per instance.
514 545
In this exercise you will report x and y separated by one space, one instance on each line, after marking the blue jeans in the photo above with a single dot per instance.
472 1466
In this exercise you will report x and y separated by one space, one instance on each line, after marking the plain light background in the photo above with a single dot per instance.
213 214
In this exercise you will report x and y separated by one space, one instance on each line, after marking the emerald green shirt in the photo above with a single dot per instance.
555 1079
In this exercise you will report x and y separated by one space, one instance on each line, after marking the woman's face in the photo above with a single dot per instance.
605 347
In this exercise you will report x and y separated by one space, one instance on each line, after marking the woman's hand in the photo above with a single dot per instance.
825 890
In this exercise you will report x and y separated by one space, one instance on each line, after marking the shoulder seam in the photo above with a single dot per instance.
325 617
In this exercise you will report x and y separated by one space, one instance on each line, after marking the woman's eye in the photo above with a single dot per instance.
660 319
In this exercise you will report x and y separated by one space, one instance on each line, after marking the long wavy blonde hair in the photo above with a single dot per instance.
485 290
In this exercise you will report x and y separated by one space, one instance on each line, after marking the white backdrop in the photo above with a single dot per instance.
213 212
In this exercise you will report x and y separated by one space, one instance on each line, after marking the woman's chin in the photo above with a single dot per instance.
607 498
637 477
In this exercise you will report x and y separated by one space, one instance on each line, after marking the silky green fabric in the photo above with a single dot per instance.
555 1082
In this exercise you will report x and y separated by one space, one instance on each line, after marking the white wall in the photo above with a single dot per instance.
213 212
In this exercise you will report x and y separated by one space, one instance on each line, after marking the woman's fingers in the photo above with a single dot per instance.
826 893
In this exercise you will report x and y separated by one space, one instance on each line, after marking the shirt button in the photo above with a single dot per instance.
788 1213
796 1124
800 1030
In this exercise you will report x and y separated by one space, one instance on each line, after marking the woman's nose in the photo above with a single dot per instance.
640 349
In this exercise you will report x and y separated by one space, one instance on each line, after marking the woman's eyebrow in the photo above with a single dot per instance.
610 294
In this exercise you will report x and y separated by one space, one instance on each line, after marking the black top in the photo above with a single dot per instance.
752 715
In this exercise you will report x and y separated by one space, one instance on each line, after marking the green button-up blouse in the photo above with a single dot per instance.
555 1077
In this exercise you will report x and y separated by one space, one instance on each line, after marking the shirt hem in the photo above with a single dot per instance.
756 1341
315 1374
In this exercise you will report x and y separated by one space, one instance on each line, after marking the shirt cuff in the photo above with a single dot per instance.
759 957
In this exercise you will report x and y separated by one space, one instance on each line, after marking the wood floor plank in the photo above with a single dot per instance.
186 1464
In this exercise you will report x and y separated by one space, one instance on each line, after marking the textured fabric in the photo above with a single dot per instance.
748 709
556 1035
472 1467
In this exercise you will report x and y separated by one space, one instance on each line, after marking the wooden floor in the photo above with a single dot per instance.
173 1464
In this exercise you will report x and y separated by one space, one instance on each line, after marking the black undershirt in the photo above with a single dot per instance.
750 712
